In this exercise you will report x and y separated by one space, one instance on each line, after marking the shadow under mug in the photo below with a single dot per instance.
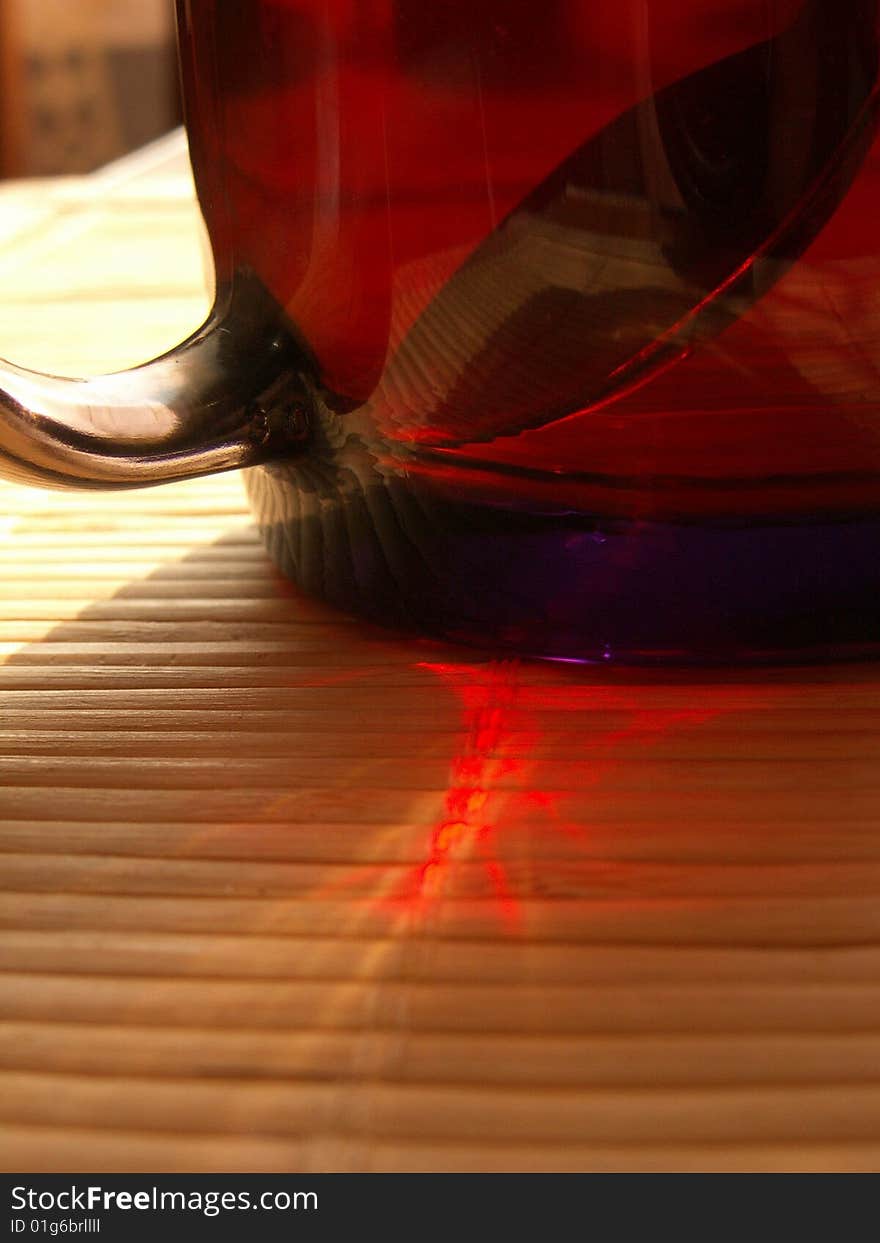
549 327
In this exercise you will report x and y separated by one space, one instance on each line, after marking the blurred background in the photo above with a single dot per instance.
83 82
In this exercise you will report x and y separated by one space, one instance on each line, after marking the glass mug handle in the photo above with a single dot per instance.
232 395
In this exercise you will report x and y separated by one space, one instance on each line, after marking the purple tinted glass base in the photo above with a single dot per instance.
568 586
682 594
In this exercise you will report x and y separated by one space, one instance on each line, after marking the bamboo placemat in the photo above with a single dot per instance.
285 892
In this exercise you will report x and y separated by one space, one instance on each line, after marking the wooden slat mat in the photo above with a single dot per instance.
283 892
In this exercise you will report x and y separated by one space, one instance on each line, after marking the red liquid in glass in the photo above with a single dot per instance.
605 260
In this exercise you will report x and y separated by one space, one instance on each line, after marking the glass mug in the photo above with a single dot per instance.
548 326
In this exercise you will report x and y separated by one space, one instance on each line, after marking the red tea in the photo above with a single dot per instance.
606 267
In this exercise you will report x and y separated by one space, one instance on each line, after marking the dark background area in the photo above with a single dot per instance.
83 82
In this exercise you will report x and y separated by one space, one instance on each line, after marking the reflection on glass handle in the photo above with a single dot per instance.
234 394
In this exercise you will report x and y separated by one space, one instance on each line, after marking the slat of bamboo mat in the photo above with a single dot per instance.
282 891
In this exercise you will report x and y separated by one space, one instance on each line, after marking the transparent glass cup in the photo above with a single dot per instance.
551 327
